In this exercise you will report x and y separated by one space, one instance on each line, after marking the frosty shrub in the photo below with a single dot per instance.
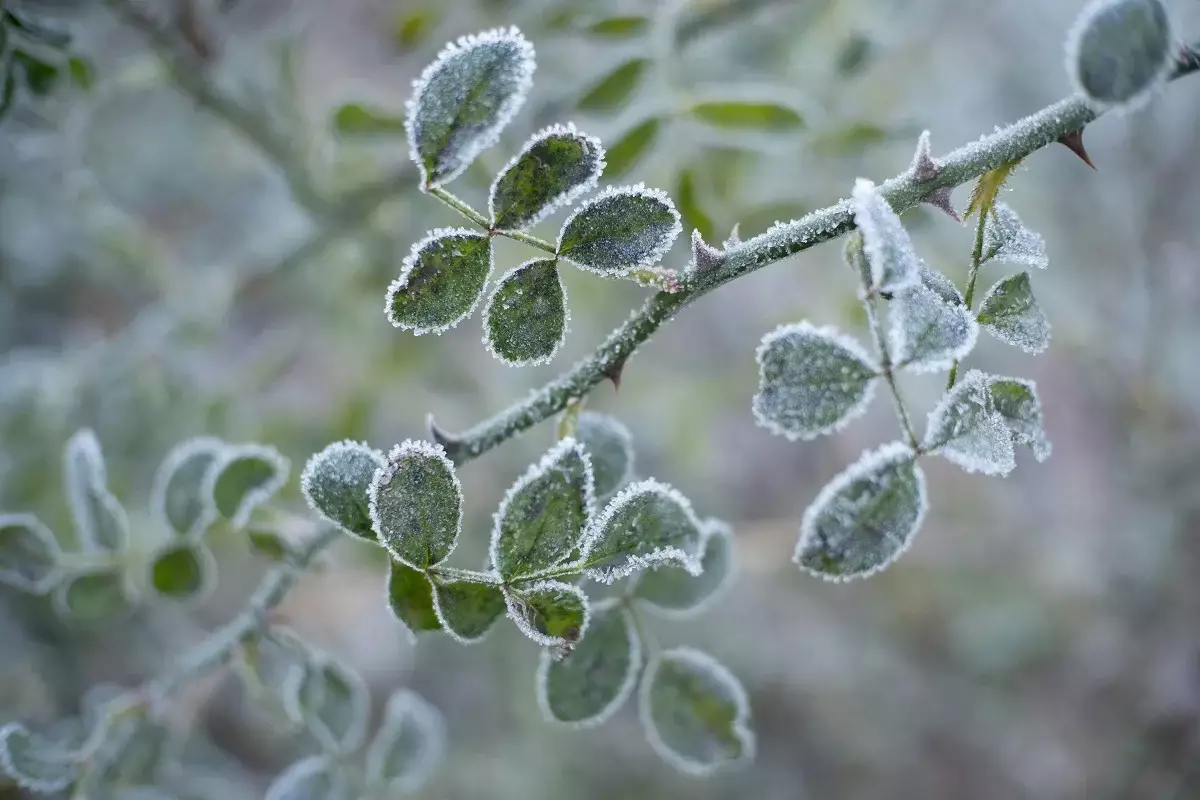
580 548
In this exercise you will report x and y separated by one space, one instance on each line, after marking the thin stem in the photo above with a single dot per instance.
479 219
902 191
889 373
532 241
972 276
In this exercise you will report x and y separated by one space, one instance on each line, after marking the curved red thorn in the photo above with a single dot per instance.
1074 142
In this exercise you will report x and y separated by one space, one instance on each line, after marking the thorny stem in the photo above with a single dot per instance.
465 209
902 191
889 372
972 276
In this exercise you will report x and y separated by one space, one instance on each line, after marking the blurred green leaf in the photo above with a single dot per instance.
614 89
410 742
694 216
41 77
183 571
29 554
609 444
549 612
855 55
269 543
675 593
414 24
34 762
744 114
633 144
92 596
358 119
619 27
852 139
80 71
591 683
243 478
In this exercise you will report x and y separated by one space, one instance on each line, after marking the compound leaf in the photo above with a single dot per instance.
335 482
441 281
620 230
526 315
586 687
415 503
554 168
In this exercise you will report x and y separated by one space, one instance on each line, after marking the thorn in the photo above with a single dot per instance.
734 237
940 199
613 373
1074 142
923 166
705 257
452 444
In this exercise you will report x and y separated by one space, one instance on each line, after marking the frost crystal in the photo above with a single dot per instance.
811 381
673 592
1018 403
647 524
586 688
410 598
335 483
865 518
894 262
309 778
1119 51
1005 238
441 281
966 428
552 613
940 285
467 610
525 319
100 521
695 712
178 496
544 514
620 230
464 99
409 744
609 444
705 257
929 333
1010 312
29 554
242 478
415 504
555 167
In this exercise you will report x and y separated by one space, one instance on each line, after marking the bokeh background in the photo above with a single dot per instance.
161 277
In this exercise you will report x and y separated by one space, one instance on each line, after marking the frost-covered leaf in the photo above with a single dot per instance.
647 524
928 332
1119 51
332 702
557 166
614 89
544 514
467 609
1010 312
415 503
525 319
675 593
244 477
1017 402
136 748
100 521
29 554
183 571
940 285
620 230
464 99
410 596
966 428
744 114
811 381
695 712
99 594
865 518
1005 238
335 483
179 496
609 444
441 281
269 543
589 685
34 762
627 151
313 778
549 612
408 746
894 262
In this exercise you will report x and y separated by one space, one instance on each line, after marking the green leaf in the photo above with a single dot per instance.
695 712
183 571
619 27
467 609
629 149
464 99
854 55
588 686
609 445
8 90
620 230
614 89
1010 312
80 70
332 702
269 543
887 245
415 502
742 114
410 596
646 524
811 381
335 482
180 498
1119 51
987 188
555 167
408 746
34 762
441 281
929 332
1005 238
135 751
100 520
543 515
552 613
415 24
852 139
865 518
357 119
674 593
1017 401
693 214
94 595
313 778
966 428
526 314
29 554
244 477
41 77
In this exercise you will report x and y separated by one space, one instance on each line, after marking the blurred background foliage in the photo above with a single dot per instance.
170 266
